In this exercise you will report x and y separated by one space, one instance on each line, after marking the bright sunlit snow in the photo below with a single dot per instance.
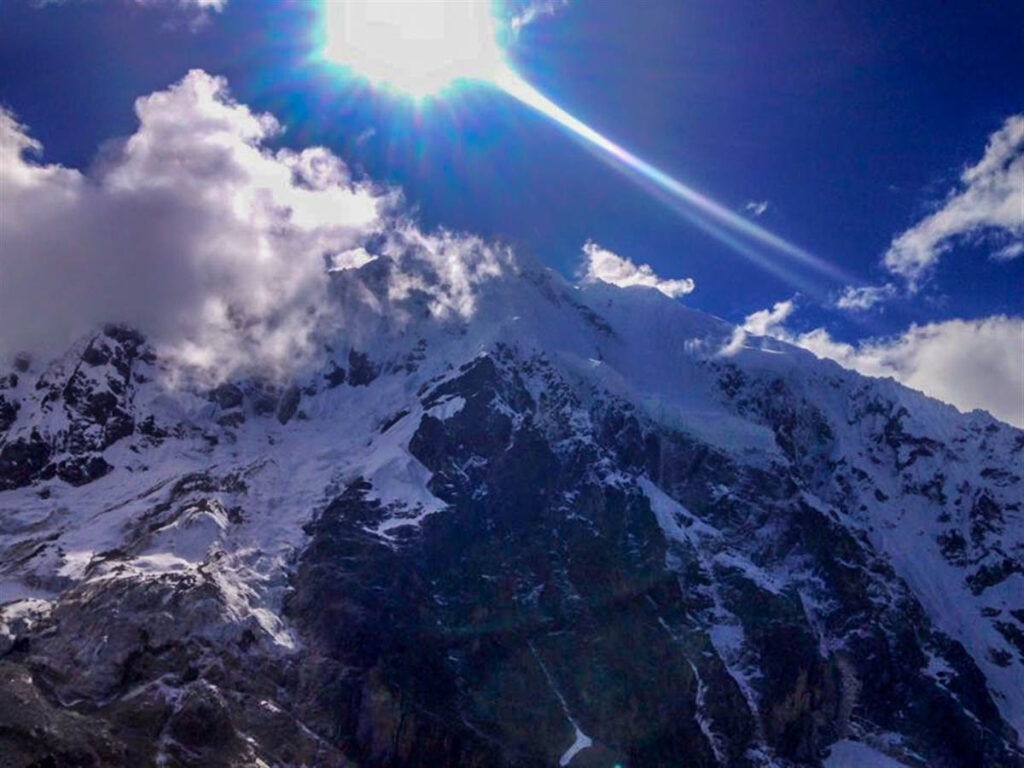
414 46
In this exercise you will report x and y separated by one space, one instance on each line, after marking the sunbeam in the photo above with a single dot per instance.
423 47
699 204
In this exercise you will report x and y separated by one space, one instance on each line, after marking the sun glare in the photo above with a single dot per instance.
416 47
420 47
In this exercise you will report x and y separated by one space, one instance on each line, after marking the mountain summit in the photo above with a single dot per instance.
493 518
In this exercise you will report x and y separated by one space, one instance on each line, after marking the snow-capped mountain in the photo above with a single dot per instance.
532 524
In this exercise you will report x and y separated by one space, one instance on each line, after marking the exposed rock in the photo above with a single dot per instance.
289 404
23 459
22 362
228 396
335 377
361 371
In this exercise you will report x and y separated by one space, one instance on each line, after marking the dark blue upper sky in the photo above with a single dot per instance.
851 118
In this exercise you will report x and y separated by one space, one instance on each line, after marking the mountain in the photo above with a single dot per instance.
498 519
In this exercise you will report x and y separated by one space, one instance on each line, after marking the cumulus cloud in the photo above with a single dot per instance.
968 363
757 208
988 202
608 267
864 297
193 230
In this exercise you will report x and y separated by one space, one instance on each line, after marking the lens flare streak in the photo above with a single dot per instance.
423 48
518 88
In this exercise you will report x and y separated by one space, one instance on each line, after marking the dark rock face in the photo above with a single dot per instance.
8 405
335 377
202 721
153 696
547 597
79 471
289 404
22 460
94 399
228 396
35 732
361 370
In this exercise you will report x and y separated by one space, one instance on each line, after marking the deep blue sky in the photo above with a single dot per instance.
851 118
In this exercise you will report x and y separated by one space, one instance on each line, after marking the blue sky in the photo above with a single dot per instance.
852 121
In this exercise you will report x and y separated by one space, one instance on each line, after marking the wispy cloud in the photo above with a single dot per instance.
756 208
1009 253
608 267
988 201
525 12
865 297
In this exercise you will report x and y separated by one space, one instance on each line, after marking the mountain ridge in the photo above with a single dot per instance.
500 519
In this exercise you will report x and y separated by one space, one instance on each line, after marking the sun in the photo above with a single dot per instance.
416 47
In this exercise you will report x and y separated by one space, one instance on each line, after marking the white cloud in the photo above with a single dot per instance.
767 322
443 267
604 265
866 296
192 230
764 322
990 199
757 208
968 363
219 248
1009 253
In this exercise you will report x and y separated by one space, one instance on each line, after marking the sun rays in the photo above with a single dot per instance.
421 48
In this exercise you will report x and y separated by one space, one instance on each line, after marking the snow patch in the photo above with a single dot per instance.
581 741
448 408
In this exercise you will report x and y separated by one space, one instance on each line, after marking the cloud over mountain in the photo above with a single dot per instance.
968 363
192 230
604 265
222 250
195 231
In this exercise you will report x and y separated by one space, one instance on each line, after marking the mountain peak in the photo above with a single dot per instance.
508 521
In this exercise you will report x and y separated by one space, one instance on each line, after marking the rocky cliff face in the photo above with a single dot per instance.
563 530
